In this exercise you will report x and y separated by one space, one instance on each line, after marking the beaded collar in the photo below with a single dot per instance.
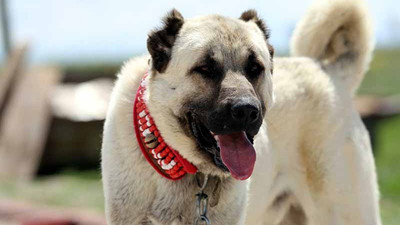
162 157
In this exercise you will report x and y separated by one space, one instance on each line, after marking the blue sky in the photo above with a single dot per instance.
104 30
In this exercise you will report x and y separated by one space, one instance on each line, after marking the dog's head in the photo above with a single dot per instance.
210 87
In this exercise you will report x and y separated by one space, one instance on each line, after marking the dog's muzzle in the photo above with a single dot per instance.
241 115
227 134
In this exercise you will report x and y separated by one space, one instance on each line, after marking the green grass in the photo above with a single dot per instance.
383 77
70 188
388 167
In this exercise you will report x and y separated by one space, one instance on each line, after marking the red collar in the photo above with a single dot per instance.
162 157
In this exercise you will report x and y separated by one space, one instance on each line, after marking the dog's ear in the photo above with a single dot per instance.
251 15
160 41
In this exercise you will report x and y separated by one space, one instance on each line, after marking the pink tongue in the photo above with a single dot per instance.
237 154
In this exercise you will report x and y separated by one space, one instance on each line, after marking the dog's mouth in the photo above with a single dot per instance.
233 152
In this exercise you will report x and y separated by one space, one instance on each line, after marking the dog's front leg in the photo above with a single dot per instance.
127 201
128 196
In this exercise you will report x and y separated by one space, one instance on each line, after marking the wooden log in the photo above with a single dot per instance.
11 69
25 123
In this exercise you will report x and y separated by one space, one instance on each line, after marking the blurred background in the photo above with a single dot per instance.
58 60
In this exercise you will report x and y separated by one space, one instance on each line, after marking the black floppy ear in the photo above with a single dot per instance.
160 41
251 15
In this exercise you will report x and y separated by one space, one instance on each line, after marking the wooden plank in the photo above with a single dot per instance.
25 123
11 69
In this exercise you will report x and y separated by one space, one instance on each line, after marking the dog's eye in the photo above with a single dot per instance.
209 69
204 70
254 69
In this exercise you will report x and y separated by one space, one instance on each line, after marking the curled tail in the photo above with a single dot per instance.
338 34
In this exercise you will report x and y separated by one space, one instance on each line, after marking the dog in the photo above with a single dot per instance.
211 128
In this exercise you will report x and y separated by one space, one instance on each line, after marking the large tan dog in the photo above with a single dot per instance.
231 111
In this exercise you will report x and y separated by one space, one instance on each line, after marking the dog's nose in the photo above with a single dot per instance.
245 113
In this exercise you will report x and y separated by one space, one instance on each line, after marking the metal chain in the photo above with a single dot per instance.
201 203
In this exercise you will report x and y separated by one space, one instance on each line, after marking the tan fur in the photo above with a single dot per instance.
338 33
313 170
314 160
